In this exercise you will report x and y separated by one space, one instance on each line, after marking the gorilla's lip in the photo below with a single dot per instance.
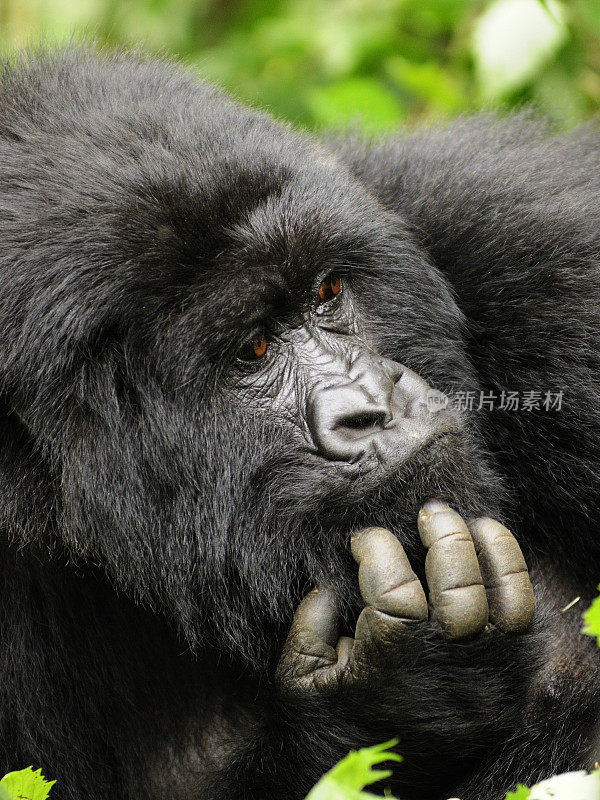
447 435
384 455
386 465
376 468
374 491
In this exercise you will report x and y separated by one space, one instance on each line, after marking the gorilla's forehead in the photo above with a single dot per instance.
154 189
260 236
171 171
272 253
307 225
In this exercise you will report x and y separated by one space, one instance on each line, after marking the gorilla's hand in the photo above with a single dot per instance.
476 576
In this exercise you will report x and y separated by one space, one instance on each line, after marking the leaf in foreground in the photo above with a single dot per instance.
350 776
591 619
26 784
521 793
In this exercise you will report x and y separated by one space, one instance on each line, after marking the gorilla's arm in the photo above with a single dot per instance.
557 726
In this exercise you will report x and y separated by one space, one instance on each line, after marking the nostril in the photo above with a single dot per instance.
363 421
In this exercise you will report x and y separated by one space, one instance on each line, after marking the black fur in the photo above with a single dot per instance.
157 534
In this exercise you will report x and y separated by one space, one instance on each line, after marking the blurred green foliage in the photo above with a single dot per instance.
330 62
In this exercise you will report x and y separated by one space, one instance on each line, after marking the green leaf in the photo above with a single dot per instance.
521 793
513 40
26 784
556 90
347 779
589 11
591 620
428 80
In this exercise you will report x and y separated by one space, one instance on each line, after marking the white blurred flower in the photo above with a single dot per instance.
570 786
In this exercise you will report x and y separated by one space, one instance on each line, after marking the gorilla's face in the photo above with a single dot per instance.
347 402
212 353
334 314
315 419
359 424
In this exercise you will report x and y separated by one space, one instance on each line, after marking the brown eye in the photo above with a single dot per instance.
254 348
329 288
259 346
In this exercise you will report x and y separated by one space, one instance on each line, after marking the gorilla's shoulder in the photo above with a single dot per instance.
485 164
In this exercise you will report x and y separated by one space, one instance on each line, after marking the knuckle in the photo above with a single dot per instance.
462 611
405 600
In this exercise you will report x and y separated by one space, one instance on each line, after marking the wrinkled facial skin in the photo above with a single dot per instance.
361 444
349 404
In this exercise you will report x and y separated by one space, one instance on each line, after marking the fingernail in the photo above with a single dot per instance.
433 506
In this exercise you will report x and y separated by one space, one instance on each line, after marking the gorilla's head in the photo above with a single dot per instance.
211 338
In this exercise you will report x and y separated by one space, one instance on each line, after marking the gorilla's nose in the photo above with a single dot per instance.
345 417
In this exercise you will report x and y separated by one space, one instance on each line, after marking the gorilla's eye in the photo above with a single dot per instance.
329 288
255 348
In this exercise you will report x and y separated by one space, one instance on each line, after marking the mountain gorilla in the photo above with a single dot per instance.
218 338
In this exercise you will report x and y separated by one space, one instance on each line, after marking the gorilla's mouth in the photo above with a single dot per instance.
447 467
376 474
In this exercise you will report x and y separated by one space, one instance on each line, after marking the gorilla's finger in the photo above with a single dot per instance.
344 649
456 590
317 617
313 638
505 574
386 579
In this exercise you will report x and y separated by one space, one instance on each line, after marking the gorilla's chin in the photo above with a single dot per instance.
451 468
302 538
